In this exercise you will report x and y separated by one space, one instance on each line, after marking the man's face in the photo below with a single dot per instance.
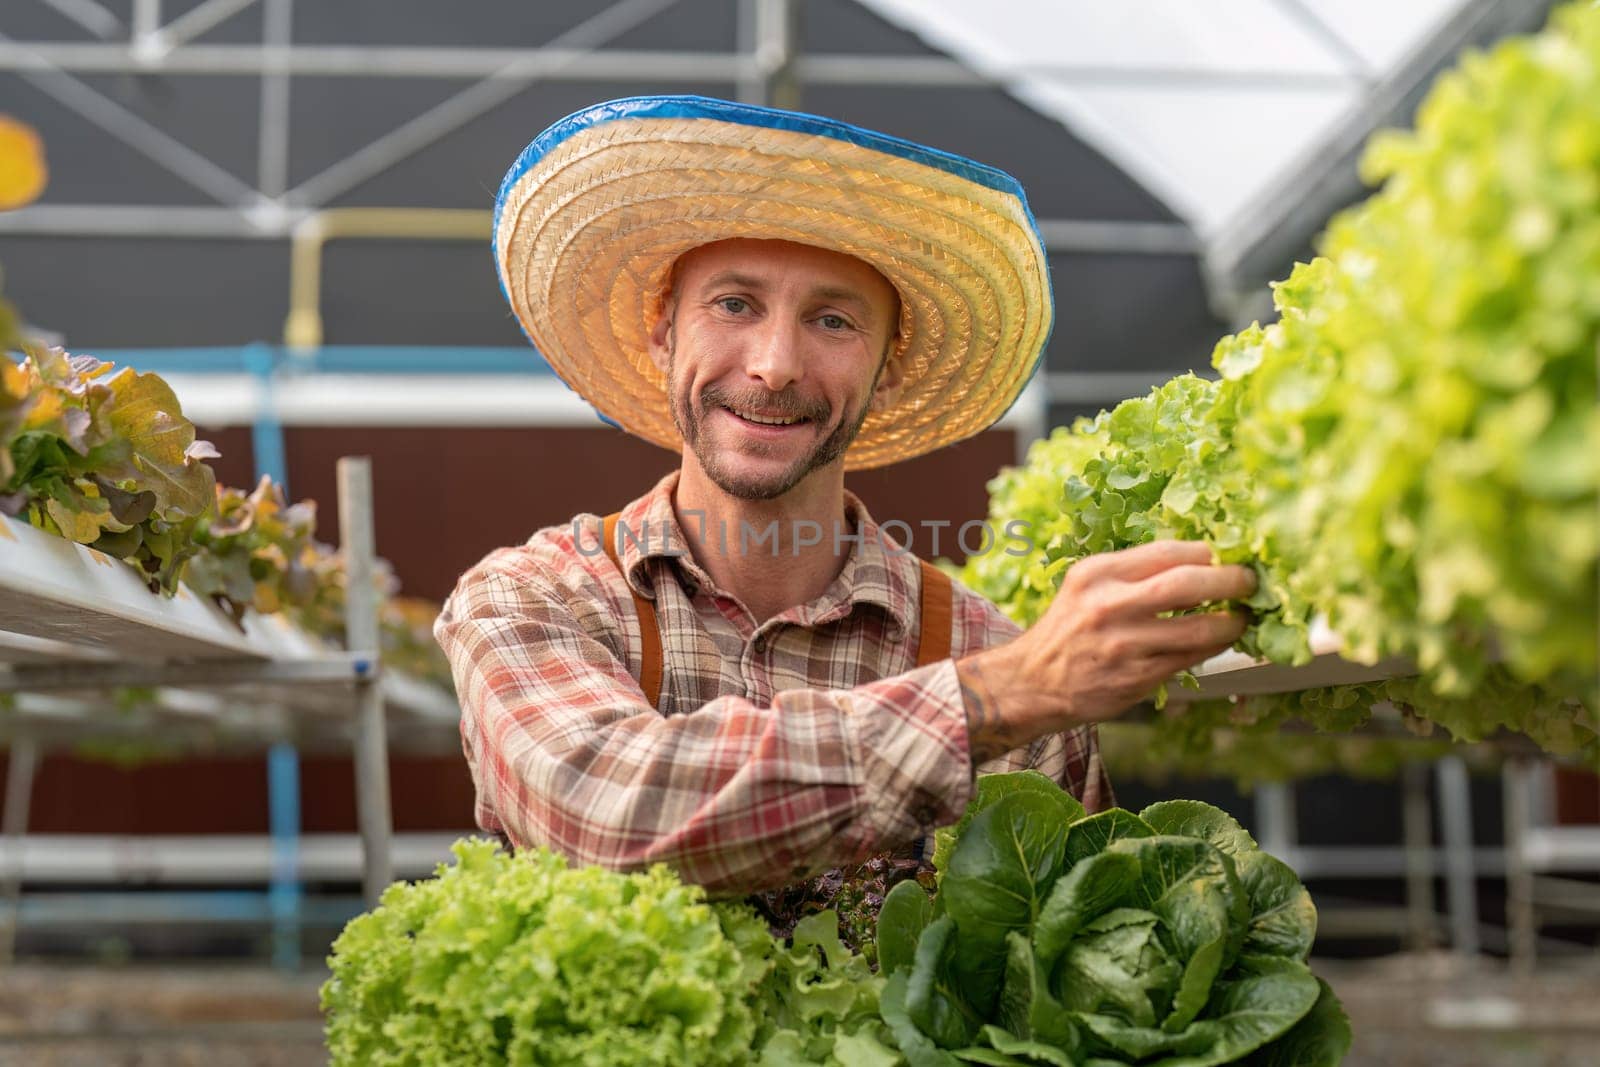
774 354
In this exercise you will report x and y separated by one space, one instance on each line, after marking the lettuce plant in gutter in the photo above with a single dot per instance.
1162 938
1412 450
104 459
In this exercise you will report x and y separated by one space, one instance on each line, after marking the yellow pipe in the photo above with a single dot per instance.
303 328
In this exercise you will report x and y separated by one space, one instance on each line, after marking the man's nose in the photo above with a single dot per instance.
775 356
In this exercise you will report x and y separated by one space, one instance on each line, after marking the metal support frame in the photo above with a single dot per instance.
490 92
1455 823
1416 820
303 327
356 541
1258 244
768 68
769 32
1521 924
21 765
335 669
285 896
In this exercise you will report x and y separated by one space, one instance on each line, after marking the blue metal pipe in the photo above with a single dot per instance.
283 762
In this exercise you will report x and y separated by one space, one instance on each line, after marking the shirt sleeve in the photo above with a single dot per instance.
566 751
1070 758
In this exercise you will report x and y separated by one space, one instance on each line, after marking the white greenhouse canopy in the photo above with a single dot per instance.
1228 111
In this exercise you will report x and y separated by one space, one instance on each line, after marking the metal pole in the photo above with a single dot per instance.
1417 820
134 131
197 20
488 93
768 31
24 761
361 629
1461 888
1276 825
1520 920
272 167
284 895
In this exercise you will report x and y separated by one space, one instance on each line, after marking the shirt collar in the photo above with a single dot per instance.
877 571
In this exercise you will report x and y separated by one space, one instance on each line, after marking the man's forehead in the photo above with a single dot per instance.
756 262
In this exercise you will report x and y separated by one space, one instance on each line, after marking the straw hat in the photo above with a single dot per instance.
594 212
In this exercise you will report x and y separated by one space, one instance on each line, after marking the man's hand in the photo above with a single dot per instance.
1101 647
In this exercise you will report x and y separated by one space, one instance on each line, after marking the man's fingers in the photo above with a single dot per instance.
1141 561
1168 665
1201 636
1186 586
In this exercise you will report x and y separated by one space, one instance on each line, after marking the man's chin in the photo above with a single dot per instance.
752 485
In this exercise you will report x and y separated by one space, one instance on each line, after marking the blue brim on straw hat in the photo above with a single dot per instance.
591 217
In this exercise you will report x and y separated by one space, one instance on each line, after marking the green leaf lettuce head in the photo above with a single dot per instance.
1165 937
524 960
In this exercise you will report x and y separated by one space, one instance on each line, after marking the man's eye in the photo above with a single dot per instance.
732 304
834 322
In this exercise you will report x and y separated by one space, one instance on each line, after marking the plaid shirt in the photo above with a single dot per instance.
778 750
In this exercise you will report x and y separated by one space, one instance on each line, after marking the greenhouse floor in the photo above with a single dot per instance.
1406 1010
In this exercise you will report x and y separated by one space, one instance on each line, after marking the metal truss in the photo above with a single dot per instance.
767 68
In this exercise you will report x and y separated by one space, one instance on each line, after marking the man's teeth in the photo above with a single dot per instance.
769 420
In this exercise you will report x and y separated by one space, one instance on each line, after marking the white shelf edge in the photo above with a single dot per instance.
1236 674
58 590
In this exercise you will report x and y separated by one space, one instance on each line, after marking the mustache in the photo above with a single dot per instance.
784 404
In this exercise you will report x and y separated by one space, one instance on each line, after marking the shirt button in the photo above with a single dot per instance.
760 643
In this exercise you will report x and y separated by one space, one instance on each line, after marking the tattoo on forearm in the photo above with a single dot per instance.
988 733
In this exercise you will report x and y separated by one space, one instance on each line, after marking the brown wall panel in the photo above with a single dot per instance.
236 467
228 795
426 793
444 497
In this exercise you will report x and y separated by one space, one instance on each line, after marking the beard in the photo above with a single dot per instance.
689 417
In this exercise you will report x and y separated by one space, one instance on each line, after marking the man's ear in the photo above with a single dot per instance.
891 380
660 341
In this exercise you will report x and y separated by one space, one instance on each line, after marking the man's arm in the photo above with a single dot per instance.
567 752
1103 645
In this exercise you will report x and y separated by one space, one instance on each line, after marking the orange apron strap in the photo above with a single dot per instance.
933 637
649 629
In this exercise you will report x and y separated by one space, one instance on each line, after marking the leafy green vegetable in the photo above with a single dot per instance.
1412 450
1163 937
527 961
104 459
819 1003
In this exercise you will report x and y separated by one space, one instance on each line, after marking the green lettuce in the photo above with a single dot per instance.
526 960
1412 450
1165 937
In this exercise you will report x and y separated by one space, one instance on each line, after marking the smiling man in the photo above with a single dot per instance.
740 674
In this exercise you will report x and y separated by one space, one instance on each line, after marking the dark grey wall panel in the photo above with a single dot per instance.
88 165
463 169
110 293
1062 177
1130 313
834 27
413 293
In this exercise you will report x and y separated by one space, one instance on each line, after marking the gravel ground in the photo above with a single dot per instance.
1406 1010
158 1016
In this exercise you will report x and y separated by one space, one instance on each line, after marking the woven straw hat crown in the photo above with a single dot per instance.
593 214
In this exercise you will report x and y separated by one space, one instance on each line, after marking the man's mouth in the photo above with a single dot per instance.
764 419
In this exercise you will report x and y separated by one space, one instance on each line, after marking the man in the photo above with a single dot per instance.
739 674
